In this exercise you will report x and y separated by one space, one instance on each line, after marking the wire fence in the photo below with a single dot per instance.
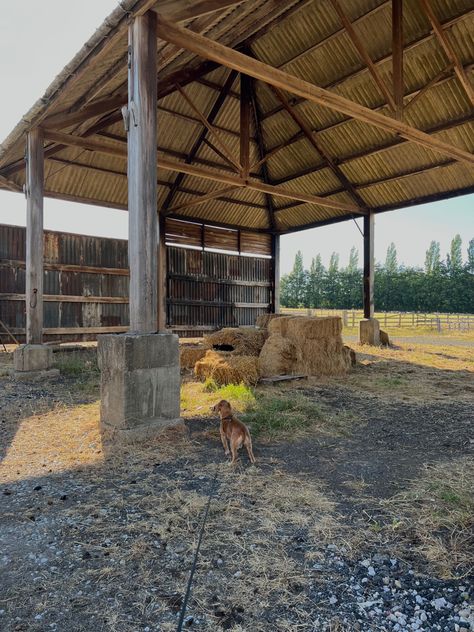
393 320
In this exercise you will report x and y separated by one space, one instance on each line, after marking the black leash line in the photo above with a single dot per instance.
196 555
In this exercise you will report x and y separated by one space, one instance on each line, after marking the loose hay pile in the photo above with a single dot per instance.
190 354
298 344
227 368
243 341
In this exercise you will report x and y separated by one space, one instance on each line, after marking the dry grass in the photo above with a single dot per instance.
227 368
437 513
413 372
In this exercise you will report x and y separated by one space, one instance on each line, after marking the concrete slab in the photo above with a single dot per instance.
140 385
369 330
32 358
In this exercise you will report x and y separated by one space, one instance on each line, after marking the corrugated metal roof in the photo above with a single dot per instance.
306 39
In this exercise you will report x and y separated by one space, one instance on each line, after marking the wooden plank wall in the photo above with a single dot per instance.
86 281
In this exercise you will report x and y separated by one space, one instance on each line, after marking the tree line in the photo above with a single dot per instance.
443 285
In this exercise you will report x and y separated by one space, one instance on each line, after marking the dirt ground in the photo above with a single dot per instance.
336 528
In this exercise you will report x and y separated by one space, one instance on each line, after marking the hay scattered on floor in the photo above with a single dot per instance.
227 368
245 341
190 354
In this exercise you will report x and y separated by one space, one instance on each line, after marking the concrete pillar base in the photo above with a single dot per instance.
140 385
369 330
27 358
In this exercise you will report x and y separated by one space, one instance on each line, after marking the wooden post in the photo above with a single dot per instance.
162 277
369 265
245 101
143 243
34 236
276 274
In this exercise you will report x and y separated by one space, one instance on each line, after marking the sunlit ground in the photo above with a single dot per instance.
65 438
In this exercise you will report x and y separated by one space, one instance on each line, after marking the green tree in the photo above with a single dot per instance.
455 254
470 256
391 262
315 282
433 258
333 263
293 287
353 264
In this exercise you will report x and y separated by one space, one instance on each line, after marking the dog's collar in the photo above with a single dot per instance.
228 418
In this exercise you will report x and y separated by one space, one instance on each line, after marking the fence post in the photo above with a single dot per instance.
345 320
353 318
438 322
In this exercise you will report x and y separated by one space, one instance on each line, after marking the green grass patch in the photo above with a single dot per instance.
272 415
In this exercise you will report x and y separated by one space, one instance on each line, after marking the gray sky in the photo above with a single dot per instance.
37 39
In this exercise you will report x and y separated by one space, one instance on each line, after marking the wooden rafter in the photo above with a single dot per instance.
379 62
219 102
261 151
448 49
316 144
202 197
193 170
210 129
186 10
233 59
361 49
397 56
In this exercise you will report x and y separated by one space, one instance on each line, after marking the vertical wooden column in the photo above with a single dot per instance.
369 263
143 242
245 101
276 274
162 276
34 236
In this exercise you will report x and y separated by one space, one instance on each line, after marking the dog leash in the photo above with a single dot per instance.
196 555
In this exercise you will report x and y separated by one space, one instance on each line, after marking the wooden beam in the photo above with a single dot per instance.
102 106
181 10
162 273
245 81
143 244
379 62
397 56
261 152
204 197
5 183
448 49
441 76
219 153
361 49
369 265
316 144
276 274
217 176
34 236
209 49
211 130
219 102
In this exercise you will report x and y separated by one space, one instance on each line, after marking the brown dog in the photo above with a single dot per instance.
233 431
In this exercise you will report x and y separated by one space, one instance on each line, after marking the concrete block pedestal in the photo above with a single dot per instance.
33 362
140 385
369 330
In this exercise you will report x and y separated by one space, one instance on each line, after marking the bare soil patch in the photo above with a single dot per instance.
332 530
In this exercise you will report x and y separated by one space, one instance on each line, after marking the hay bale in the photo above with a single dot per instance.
384 339
277 357
264 319
352 354
226 368
314 328
309 345
246 341
190 354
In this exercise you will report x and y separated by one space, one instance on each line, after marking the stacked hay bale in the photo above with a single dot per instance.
263 320
237 340
298 344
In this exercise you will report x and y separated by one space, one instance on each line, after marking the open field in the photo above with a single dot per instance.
357 516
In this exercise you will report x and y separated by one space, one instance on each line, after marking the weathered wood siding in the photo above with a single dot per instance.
86 281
